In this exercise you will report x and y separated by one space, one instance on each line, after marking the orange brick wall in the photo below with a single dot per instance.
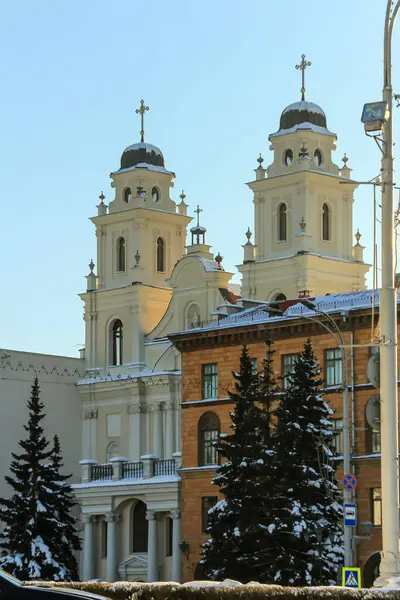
197 483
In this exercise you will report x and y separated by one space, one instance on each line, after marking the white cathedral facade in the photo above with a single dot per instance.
146 284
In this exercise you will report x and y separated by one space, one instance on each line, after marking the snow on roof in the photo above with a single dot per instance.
259 314
304 105
128 481
144 166
208 264
302 127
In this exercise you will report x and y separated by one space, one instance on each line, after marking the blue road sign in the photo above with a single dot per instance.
351 577
350 515
350 482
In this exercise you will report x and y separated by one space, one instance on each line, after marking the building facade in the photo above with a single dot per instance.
209 356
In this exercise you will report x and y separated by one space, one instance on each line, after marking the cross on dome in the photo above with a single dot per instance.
303 66
140 111
198 211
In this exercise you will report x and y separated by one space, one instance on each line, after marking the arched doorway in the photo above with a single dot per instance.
371 570
139 528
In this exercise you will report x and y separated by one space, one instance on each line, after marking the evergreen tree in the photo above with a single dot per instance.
240 546
65 527
307 529
30 538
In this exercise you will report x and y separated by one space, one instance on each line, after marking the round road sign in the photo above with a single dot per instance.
350 482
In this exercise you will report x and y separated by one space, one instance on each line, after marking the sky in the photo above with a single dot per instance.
216 76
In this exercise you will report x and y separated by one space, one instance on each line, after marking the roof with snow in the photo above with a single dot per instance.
144 153
260 314
303 115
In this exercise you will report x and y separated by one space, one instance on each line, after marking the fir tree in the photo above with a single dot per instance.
241 546
63 505
30 538
308 533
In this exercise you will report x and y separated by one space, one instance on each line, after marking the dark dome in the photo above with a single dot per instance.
141 153
302 112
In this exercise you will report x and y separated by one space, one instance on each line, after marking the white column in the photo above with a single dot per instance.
170 433
152 561
157 432
144 430
111 519
88 521
176 551
134 432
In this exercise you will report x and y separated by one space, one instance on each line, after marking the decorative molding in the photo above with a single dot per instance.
175 514
112 517
91 413
134 409
152 515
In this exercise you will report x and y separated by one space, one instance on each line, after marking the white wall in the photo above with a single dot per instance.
61 399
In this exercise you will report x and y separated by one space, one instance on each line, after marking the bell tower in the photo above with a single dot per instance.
303 213
141 235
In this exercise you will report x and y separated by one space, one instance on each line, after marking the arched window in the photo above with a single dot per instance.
318 157
282 223
193 318
280 298
155 196
127 194
112 451
139 528
116 343
160 255
326 225
121 254
207 433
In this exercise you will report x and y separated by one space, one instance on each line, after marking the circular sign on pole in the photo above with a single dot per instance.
350 482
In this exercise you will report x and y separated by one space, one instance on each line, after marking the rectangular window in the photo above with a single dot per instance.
375 440
376 505
288 362
339 437
333 367
207 502
169 524
254 365
210 381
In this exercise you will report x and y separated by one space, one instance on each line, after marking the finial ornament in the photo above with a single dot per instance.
198 211
182 196
303 225
218 260
260 160
91 266
303 66
248 234
102 197
345 160
137 258
140 111
358 236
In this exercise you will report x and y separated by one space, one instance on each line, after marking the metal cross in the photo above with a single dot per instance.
140 111
303 66
198 211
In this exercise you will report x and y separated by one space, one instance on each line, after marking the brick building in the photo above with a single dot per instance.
211 353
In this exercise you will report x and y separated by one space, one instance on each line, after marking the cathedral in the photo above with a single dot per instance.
155 275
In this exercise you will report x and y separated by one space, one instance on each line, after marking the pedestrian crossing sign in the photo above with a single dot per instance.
351 577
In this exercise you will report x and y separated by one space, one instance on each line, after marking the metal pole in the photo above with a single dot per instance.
347 497
390 557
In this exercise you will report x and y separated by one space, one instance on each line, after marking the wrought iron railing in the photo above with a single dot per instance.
132 470
101 472
164 467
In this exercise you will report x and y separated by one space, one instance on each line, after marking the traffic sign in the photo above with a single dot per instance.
350 515
350 482
351 577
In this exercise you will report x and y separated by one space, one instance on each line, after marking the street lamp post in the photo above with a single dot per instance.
390 557
337 334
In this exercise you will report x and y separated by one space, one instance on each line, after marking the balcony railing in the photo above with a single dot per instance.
121 468
101 472
132 470
164 467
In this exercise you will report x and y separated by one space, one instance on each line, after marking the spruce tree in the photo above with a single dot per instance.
64 502
30 538
307 528
240 544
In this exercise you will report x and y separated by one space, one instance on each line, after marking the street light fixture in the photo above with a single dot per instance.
348 550
390 556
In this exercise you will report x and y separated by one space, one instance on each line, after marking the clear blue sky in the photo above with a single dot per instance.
216 75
